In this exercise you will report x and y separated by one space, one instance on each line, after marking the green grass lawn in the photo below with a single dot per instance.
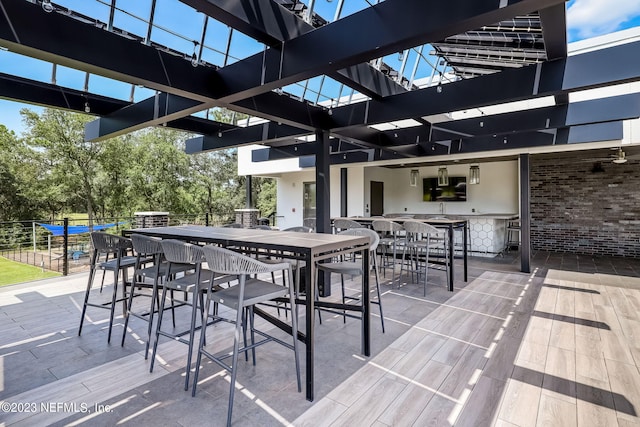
15 272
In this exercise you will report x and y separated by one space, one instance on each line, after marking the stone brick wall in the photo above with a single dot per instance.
577 208
247 217
151 219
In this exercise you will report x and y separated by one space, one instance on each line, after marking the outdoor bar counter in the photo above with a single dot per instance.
487 231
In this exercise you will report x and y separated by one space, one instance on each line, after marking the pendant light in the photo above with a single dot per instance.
443 176
413 177
474 174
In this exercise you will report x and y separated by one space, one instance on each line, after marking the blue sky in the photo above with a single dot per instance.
585 19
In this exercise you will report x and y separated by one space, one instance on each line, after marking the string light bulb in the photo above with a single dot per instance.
87 108
47 6
194 56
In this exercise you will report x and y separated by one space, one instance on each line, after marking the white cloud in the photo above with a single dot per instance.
589 18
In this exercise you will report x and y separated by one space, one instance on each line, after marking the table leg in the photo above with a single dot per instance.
465 241
451 257
310 323
366 304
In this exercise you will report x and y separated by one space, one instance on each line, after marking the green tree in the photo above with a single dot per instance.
219 190
73 162
266 191
113 178
14 204
53 170
160 174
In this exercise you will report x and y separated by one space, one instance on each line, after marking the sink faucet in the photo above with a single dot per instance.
442 207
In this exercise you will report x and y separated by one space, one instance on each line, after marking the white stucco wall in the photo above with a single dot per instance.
496 193
355 198
290 203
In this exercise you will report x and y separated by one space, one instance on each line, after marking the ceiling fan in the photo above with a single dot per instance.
619 157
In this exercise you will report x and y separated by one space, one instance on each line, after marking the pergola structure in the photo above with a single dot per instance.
363 85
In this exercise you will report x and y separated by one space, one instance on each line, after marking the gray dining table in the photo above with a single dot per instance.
309 247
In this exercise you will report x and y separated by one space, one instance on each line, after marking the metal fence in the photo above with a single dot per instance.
31 243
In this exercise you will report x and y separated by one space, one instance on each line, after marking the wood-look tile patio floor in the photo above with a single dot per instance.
558 346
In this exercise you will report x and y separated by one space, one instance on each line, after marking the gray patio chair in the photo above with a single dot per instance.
147 276
276 258
117 248
261 227
345 224
421 240
309 222
233 225
299 229
356 268
196 282
242 298
390 241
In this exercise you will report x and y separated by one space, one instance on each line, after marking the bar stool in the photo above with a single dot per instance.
111 246
149 249
356 267
276 258
512 234
195 283
390 240
345 224
421 238
242 298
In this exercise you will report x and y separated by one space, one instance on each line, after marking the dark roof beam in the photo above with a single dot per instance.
26 29
623 107
569 135
555 38
616 108
157 110
383 29
268 22
553 21
48 95
299 150
614 65
241 136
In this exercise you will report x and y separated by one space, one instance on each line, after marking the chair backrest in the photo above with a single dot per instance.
145 245
399 215
224 261
346 224
422 216
109 243
261 227
299 229
374 239
416 227
180 252
386 226
233 225
309 222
